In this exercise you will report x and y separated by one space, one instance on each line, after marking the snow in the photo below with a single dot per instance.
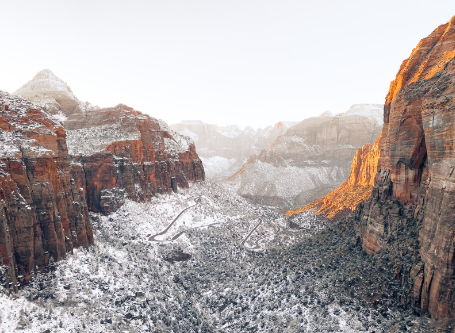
286 181
178 144
87 141
125 281
217 165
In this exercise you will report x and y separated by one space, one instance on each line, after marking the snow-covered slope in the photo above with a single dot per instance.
208 279
224 149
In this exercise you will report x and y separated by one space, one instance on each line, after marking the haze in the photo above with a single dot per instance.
243 62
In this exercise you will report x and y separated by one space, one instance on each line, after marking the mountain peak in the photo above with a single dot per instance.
51 92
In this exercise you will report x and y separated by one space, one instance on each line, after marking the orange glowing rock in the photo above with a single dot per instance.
356 189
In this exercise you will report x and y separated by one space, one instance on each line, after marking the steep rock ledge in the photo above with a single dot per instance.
127 154
46 193
44 212
415 184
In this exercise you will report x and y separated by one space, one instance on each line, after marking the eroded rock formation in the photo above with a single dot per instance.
356 189
52 175
44 212
127 154
415 183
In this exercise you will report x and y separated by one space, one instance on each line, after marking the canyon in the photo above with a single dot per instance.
224 149
370 248
57 167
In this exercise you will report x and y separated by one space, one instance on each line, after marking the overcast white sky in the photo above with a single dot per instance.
224 62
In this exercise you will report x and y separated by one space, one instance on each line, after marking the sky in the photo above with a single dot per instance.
244 62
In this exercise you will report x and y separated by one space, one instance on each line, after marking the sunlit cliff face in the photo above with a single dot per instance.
356 189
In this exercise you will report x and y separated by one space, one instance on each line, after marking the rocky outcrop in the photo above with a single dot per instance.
223 149
129 155
356 189
309 160
43 211
415 183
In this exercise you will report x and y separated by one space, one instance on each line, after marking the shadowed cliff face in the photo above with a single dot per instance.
43 211
356 189
415 183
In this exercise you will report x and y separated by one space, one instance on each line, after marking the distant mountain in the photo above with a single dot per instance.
52 93
310 159
223 149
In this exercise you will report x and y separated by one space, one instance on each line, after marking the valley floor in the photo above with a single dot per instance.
206 260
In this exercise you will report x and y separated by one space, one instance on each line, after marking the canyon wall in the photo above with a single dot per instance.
44 213
57 166
127 154
415 184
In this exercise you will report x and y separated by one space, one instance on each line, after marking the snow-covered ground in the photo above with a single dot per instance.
217 165
206 280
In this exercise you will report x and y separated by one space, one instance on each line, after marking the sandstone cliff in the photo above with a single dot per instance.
415 183
356 189
43 208
127 154
51 175
311 159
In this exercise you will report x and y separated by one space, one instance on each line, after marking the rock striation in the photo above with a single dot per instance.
415 183
129 155
311 159
43 212
356 189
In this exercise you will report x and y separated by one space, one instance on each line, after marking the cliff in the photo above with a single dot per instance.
52 175
414 189
127 154
310 160
43 211
356 189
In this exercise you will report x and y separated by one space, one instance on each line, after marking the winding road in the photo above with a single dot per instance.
152 238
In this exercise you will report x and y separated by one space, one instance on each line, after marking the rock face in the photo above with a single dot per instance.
309 160
415 182
43 208
356 189
223 150
52 175
127 154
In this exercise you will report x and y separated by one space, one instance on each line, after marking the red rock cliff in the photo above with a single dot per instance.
356 189
127 154
415 183
43 211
